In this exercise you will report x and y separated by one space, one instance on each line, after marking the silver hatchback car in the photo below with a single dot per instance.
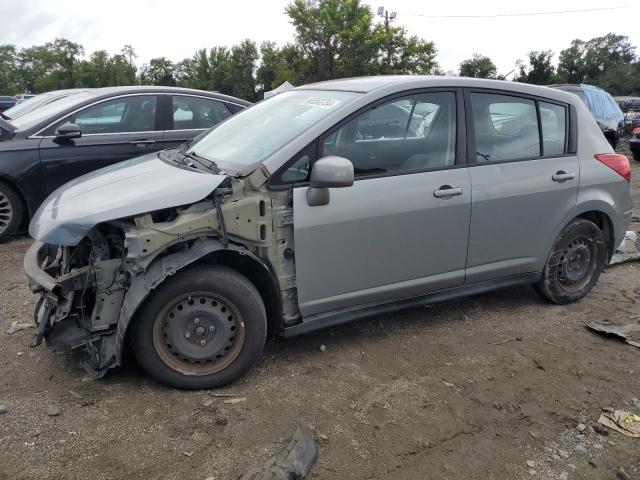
324 204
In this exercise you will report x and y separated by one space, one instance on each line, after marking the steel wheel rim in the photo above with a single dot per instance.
6 211
185 341
577 263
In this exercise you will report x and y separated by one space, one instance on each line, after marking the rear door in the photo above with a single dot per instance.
524 180
401 230
113 130
190 115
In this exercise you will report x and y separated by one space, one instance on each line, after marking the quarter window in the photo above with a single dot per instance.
506 128
129 114
191 113
411 133
553 119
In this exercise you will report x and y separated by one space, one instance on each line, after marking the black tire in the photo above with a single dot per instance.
177 303
636 156
575 263
11 212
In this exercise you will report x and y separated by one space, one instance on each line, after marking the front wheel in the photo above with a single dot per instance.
202 328
575 263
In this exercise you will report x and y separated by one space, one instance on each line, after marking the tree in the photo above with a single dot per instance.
403 54
540 70
8 70
160 71
585 61
479 66
335 35
242 65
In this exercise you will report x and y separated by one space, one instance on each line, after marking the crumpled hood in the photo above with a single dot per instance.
133 187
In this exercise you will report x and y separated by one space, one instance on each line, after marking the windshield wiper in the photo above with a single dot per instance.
205 162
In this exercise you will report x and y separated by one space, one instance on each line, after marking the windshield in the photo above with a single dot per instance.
250 136
34 117
26 106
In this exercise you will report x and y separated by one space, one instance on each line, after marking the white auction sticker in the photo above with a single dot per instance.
321 102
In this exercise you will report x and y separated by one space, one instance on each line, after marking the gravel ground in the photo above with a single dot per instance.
488 387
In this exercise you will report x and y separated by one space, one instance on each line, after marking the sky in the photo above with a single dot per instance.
177 29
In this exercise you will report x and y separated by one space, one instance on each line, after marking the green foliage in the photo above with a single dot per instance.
333 39
479 66
159 71
585 61
540 71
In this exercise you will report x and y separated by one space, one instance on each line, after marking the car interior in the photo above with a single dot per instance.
393 137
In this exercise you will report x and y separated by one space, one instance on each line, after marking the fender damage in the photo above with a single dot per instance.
93 276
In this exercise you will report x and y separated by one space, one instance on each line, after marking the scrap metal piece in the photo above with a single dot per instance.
294 459
626 423
628 250
629 332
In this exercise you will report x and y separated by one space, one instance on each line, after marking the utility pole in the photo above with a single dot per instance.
388 19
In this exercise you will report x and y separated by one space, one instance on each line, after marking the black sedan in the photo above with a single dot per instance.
6 102
91 129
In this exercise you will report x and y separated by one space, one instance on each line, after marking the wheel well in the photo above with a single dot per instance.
261 277
603 222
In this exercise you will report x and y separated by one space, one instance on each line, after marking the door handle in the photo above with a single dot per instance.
562 176
447 191
142 142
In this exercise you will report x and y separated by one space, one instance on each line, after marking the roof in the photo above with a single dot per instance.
393 83
158 89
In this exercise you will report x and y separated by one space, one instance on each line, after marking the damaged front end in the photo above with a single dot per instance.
98 257
82 289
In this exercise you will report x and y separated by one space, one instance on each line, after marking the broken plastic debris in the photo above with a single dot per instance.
628 250
294 459
629 332
626 423
16 327
235 400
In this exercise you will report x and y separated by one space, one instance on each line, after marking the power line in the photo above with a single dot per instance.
499 15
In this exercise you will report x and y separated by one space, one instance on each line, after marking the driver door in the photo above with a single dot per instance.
396 233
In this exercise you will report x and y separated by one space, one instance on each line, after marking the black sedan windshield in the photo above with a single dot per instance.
50 110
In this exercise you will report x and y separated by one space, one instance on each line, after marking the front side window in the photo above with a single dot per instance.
506 127
553 119
121 115
192 113
415 132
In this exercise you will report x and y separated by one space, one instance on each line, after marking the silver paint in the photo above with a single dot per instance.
144 184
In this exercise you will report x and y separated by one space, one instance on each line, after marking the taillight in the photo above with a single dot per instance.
616 162
636 131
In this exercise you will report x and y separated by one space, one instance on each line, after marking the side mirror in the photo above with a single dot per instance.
68 131
328 172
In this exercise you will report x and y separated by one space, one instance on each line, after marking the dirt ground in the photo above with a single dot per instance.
430 393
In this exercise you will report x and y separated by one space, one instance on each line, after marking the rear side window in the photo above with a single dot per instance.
553 119
506 127
190 113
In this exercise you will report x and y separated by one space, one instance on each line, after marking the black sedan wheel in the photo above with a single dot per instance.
202 328
575 263
10 211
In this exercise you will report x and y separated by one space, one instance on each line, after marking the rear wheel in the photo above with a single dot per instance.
10 211
575 263
203 328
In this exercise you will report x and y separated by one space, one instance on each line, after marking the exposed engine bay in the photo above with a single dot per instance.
90 291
